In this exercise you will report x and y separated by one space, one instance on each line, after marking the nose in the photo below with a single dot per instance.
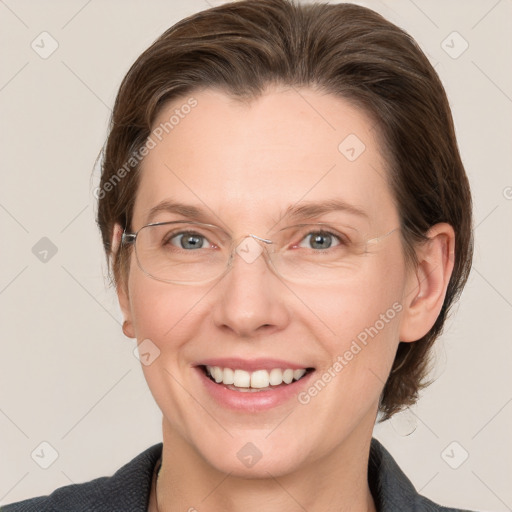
251 297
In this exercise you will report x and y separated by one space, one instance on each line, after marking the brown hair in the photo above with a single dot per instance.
343 49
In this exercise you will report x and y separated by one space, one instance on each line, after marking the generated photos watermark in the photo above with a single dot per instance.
342 360
156 136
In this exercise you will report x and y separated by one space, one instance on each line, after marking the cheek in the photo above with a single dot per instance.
165 319
354 306
162 312
357 326
362 320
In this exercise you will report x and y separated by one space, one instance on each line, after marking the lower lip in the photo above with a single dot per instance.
252 400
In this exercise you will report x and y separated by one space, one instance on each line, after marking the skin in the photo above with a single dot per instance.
247 163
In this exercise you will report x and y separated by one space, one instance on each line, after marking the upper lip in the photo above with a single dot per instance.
251 365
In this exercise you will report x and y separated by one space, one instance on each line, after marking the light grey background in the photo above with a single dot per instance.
68 376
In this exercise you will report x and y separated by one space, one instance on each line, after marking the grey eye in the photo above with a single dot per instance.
189 241
320 240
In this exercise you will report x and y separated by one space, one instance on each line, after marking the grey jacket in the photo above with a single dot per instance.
129 488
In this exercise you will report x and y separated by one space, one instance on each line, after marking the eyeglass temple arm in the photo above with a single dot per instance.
128 238
377 239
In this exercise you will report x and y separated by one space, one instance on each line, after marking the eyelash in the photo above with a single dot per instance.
324 233
341 239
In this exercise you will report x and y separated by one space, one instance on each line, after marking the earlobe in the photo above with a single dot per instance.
121 287
124 303
427 285
128 329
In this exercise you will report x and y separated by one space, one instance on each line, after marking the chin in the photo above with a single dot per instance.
251 463
254 456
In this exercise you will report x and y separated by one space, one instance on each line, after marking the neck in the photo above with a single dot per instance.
187 482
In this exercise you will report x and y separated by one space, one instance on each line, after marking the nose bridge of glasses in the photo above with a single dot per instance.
250 247
265 240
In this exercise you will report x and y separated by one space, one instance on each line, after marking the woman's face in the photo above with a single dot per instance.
243 167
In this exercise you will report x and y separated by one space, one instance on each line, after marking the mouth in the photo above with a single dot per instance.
257 381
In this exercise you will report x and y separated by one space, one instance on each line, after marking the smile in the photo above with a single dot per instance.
259 380
252 385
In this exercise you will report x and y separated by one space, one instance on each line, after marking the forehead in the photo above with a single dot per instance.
247 163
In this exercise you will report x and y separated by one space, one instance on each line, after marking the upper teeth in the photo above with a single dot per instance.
256 379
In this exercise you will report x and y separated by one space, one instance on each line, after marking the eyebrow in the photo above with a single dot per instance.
296 212
314 209
185 210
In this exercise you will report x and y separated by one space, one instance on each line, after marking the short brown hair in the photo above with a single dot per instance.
343 49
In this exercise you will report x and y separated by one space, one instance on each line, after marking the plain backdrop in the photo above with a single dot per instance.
68 376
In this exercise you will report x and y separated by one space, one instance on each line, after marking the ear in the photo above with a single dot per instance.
121 286
427 283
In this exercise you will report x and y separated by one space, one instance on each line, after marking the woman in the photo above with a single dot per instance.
288 223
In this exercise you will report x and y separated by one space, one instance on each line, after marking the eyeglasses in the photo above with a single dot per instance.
193 253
